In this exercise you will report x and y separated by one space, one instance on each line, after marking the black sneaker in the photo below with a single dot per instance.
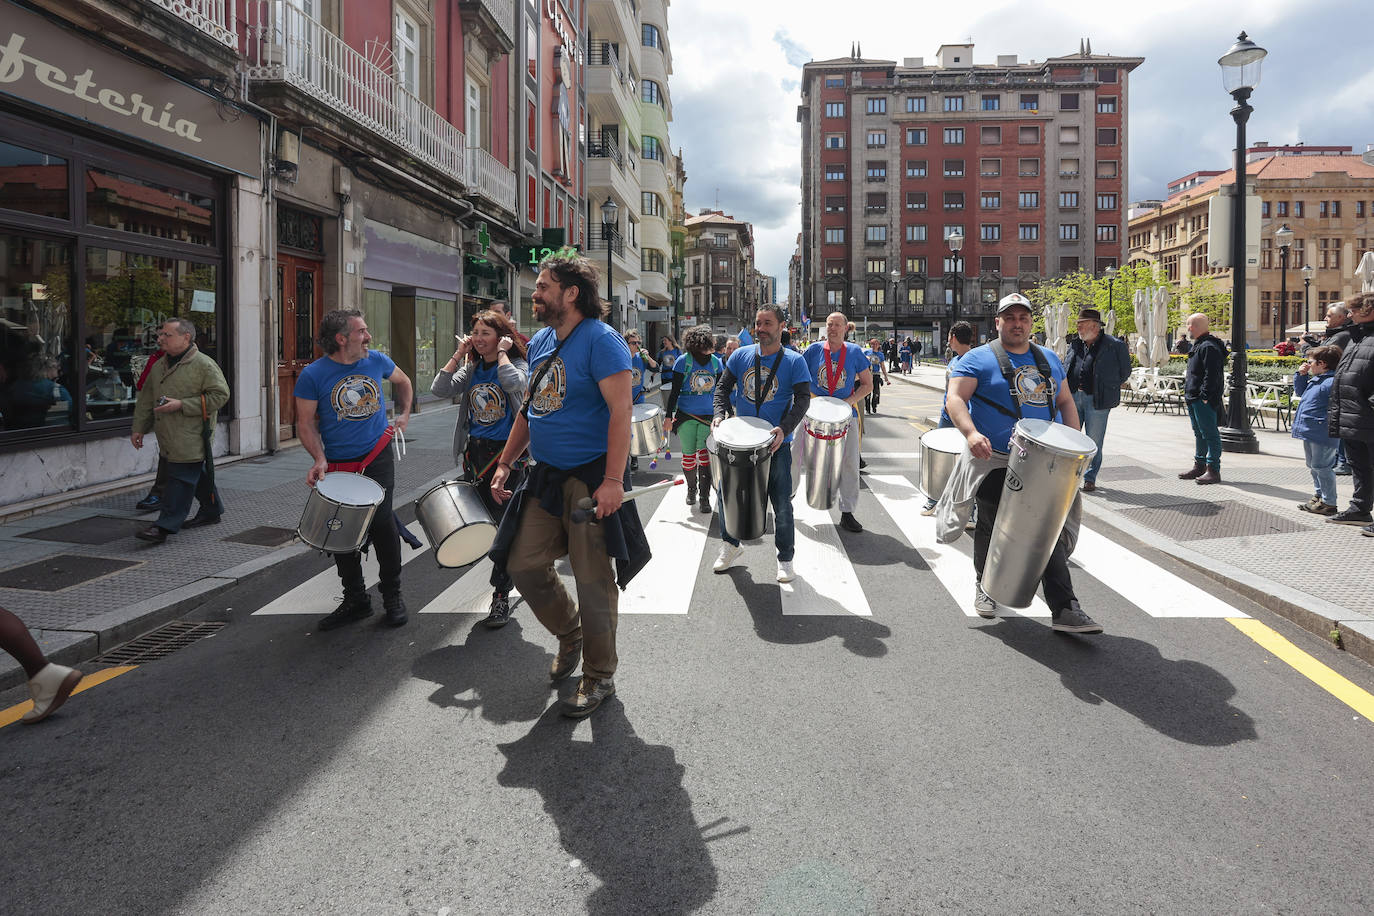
1072 620
1350 517
499 615
849 523
1342 470
148 502
350 610
395 608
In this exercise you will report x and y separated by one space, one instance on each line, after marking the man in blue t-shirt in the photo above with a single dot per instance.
766 380
838 369
876 365
980 403
341 419
577 428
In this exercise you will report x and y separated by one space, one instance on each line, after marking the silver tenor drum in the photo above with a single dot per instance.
338 512
939 452
826 425
1047 463
740 462
456 523
646 430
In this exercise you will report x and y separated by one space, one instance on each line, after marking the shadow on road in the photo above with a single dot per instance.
1180 698
621 809
860 635
482 666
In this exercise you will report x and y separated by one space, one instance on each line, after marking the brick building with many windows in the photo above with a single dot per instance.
1025 161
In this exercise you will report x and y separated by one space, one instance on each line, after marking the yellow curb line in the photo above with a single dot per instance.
13 714
1355 697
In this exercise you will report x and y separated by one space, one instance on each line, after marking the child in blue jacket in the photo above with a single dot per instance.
1312 383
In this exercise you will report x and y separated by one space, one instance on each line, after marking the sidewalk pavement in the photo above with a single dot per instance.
1245 532
82 582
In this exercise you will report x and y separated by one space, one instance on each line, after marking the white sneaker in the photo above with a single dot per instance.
785 571
50 688
729 556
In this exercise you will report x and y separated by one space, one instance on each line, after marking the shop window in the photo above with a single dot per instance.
33 182
145 207
38 385
377 314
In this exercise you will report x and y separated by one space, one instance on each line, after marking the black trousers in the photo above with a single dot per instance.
385 538
872 399
1055 583
1360 457
477 455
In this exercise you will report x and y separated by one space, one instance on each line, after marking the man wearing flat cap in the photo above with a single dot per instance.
1098 365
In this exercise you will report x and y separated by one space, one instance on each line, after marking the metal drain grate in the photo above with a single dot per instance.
160 643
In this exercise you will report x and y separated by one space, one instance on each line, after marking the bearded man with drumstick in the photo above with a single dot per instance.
341 421
488 374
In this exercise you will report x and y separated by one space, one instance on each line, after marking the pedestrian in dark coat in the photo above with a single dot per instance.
1351 414
1203 383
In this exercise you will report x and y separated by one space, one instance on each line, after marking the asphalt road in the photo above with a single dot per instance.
766 753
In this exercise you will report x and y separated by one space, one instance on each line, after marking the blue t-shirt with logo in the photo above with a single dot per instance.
637 372
846 376
1036 394
348 402
490 410
568 416
698 384
875 364
750 368
667 359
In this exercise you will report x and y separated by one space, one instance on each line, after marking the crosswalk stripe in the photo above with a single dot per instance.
951 566
320 593
826 583
1154 590
677 536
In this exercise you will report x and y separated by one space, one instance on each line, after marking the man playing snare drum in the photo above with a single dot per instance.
765 379
341 418
984 408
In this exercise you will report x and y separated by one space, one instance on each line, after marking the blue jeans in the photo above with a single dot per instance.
1321 461
1206 436
1094 427
186 480
780 495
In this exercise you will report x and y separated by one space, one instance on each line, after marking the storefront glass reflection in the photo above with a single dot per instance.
33 182
36 367
144 207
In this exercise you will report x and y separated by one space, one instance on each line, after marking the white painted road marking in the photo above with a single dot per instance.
1156 591
321 593
677 537
826 583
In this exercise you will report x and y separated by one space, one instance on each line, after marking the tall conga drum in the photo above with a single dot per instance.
1043 475
740 461
825 427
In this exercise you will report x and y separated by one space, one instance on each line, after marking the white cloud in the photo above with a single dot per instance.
737 64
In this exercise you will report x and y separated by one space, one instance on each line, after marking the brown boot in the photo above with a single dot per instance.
1213 475
1198 470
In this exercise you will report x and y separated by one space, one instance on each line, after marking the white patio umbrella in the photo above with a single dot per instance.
1159 327
1142 328
1111 322
1056 327
1365 271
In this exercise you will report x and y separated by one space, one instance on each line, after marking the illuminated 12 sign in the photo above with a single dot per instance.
536 254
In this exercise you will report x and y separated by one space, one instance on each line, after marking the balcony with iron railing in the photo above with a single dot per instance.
491 179
213 17
597 239
284 45
605 145
491 23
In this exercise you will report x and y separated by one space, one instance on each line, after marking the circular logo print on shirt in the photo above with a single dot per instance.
751 385
636 377
552 390
356 397
1031 387
701 381
488 404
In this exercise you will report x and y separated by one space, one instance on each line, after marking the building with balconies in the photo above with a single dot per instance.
718 260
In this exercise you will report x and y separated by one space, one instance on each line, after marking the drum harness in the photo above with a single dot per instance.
1042 365
392 436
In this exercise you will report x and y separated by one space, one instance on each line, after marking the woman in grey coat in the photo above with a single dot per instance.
488 375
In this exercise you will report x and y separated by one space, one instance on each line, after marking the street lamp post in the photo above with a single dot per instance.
676 323
1240 74
1110 274
896 276
608 211
955 240
1284 237
1307 273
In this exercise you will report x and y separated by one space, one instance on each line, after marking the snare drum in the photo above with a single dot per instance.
826 425
646 430
938 452
338 512
456 523
740 447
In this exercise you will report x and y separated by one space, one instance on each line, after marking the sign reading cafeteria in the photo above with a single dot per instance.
45 65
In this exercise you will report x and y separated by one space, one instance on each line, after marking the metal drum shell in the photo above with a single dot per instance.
456 523
741 461
646 430
1043 475
826 426
938 450
338 523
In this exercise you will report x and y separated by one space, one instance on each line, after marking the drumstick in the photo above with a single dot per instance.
586 504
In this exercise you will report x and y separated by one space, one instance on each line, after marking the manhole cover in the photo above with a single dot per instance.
1203 521
98 529
160 643
55 573
264 536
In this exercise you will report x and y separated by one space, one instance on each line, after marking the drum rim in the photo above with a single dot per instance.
650 411
946 432
1064 451
760 425
380 490
837 404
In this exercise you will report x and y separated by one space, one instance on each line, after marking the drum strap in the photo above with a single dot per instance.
1042 365
357 467
544 369
761 390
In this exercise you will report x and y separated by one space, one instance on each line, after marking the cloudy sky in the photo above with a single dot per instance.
737 71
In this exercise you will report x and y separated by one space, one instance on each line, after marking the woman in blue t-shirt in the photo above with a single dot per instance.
694 378
487 374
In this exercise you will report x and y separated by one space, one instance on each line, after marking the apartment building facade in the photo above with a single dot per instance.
1026 162
250 166
1324 195
720 288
